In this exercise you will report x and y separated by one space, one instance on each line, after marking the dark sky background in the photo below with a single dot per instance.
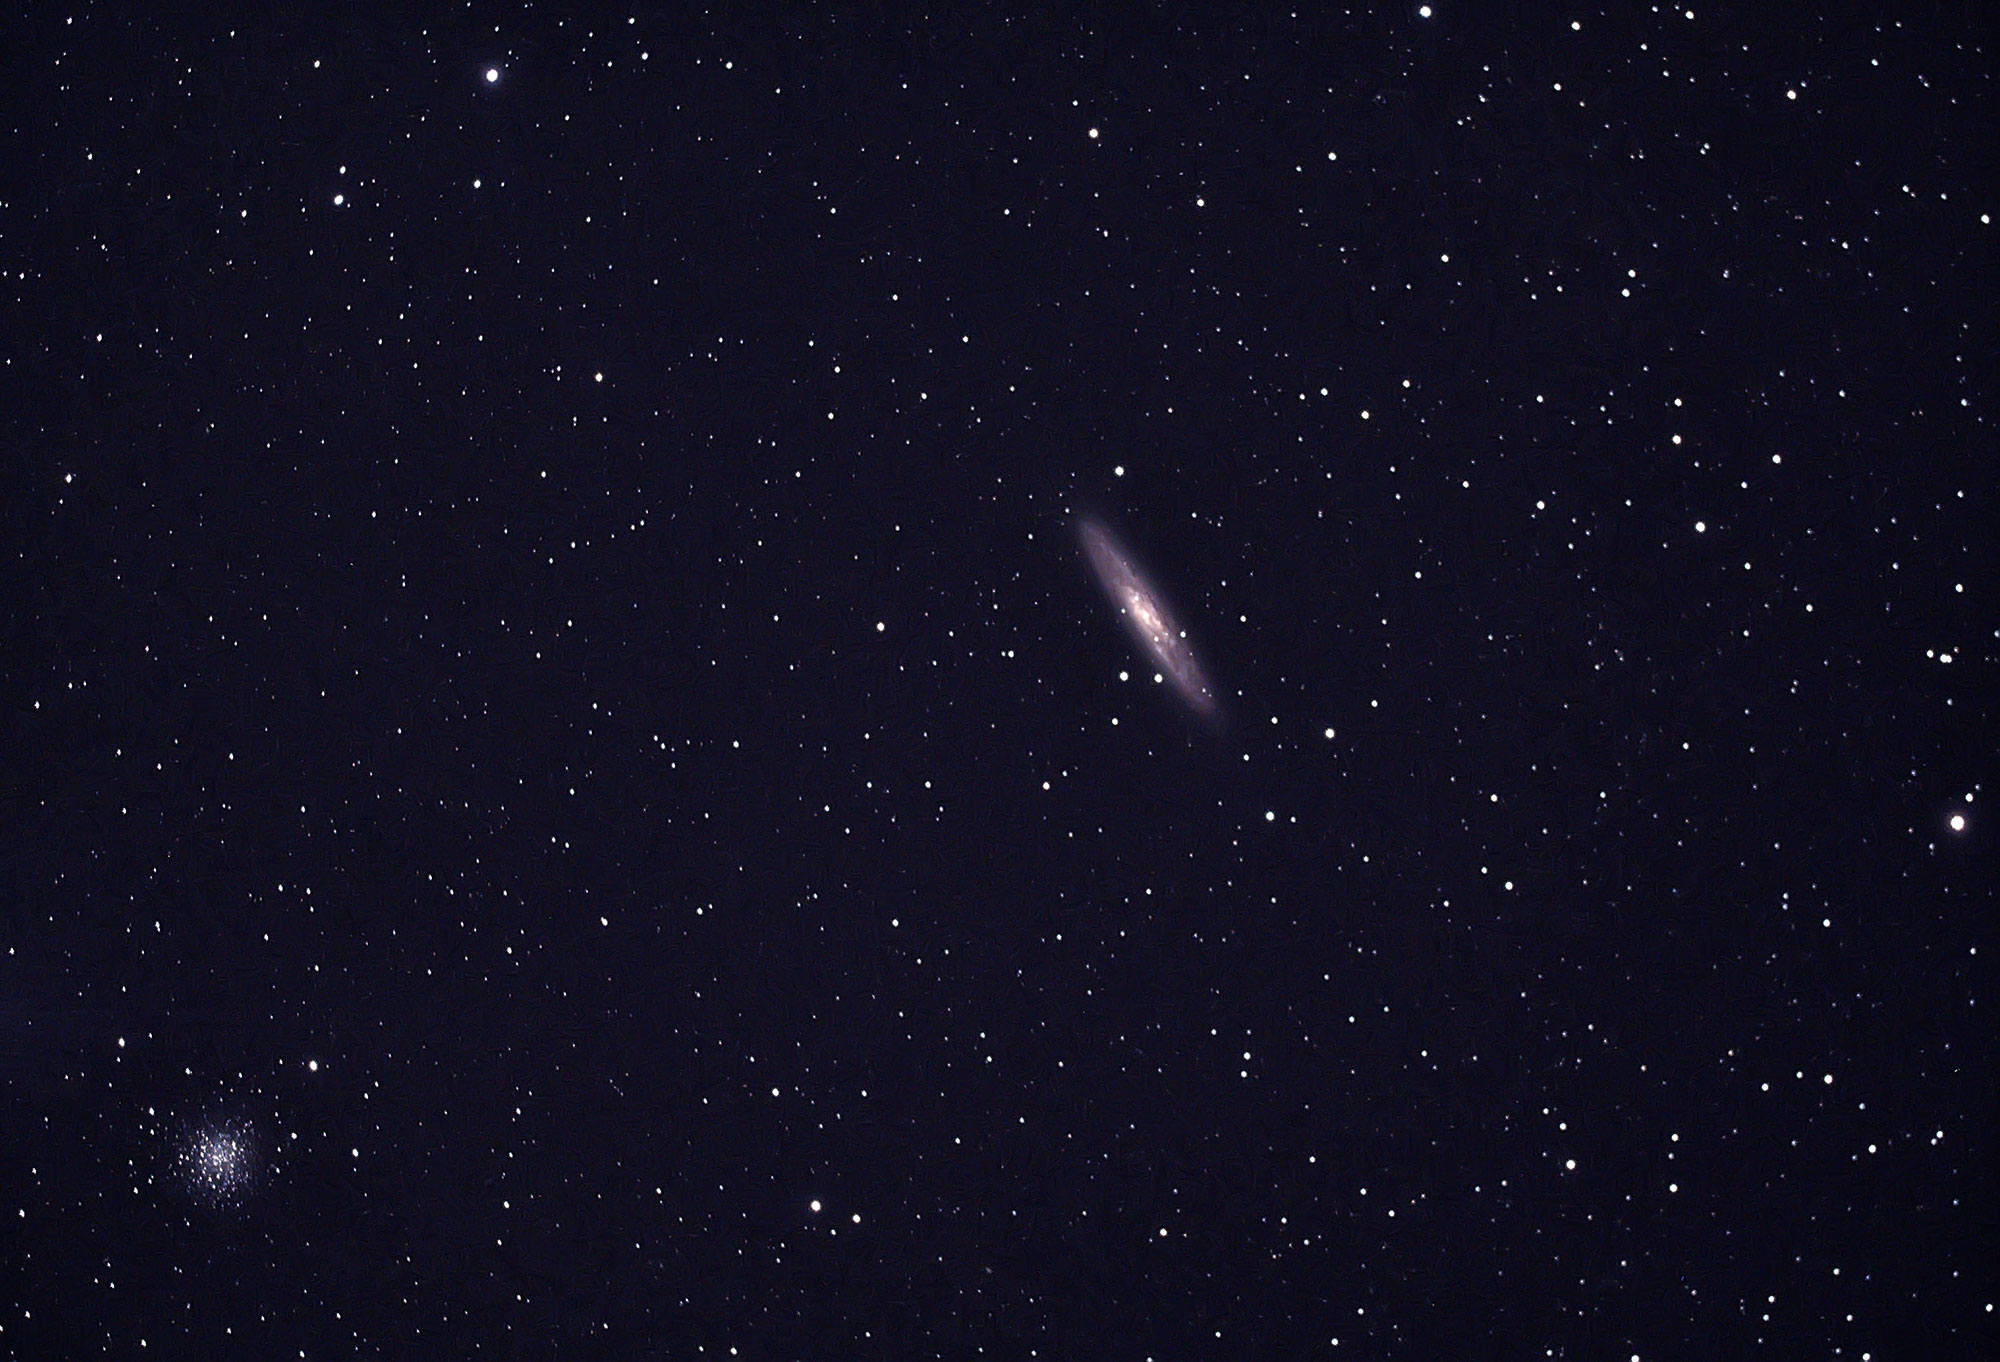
569 789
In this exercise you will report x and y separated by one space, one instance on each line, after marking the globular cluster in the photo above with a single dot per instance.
221 1161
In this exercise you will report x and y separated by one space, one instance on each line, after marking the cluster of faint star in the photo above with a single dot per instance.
220 1162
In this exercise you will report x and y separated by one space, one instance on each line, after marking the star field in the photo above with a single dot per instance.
568 790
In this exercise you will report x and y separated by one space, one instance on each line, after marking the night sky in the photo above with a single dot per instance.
574 784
